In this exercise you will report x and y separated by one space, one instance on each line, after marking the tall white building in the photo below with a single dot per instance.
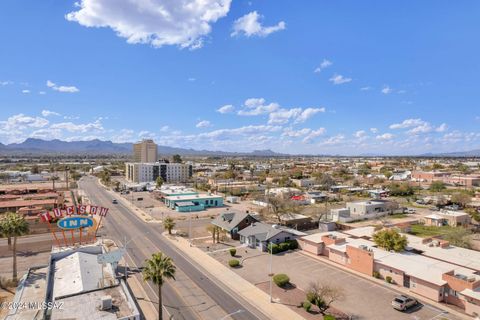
149 172
145 151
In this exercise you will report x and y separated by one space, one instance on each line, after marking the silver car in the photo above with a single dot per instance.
402 302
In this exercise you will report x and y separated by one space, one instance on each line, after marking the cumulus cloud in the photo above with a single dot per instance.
184 23
250 25
442 128
325 64
257 106
385 136
164 128
26 91
308 113
203 124
68 89
332 141
157 22
373 130
360 134
82 128
339 79
226 109
408 123
47 113
314 134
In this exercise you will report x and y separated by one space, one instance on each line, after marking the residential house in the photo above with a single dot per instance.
447 218
232 222
259 235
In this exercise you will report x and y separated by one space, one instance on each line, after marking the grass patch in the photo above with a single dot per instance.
431 231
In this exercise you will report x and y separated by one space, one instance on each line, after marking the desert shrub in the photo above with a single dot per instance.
283 246
307 305
281 279
329 317
233 263
233 252
389 279
376 274
293 244
272 247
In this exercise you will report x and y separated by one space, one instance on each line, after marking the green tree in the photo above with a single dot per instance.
169 224
390 239
459 237
177 158
14 225
461 198
437 186
158 269
325 180
401 189
159 182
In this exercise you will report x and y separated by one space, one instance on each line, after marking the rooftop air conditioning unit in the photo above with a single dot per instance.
106 303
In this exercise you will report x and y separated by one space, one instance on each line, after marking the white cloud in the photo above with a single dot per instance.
386 90
257 106
164 129
314 134
360 134
339 79
442 128
226 109
5 83
289 132
26 91
157 22
83 128
308 113
21 121
192 79
373 130
47 113
367 88
203 124
250 25
385 136
69 89
335 140
282 116
408 123
325 64
42 92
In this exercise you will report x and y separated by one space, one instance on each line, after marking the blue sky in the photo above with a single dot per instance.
349 77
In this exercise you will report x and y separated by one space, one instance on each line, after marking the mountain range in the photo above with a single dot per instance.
98 147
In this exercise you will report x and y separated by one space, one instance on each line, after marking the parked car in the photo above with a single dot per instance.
403 302
410 210
453 207
114 201
420 201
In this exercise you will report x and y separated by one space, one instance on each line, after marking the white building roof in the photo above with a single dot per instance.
192 197
361 232
317 237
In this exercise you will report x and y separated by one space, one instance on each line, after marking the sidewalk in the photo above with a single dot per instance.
399 289
248 291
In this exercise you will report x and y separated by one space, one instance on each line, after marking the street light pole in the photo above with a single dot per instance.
271 273
190 226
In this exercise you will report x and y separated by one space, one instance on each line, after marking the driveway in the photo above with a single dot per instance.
363 299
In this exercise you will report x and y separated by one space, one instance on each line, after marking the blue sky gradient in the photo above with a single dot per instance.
406 75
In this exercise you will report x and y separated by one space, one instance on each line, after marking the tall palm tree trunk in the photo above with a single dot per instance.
14 276
160 304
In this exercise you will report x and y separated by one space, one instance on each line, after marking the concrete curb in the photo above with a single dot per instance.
230 279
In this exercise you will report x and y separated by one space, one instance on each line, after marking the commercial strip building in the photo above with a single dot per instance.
145 151
149 172
195 202
467 181
79 287
435 274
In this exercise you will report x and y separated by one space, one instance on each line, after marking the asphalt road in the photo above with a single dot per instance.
122 223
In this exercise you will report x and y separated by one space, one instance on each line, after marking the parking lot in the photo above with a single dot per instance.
363 299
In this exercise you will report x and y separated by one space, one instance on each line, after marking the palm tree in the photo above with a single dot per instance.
53 178
157 269
14 225
169 224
